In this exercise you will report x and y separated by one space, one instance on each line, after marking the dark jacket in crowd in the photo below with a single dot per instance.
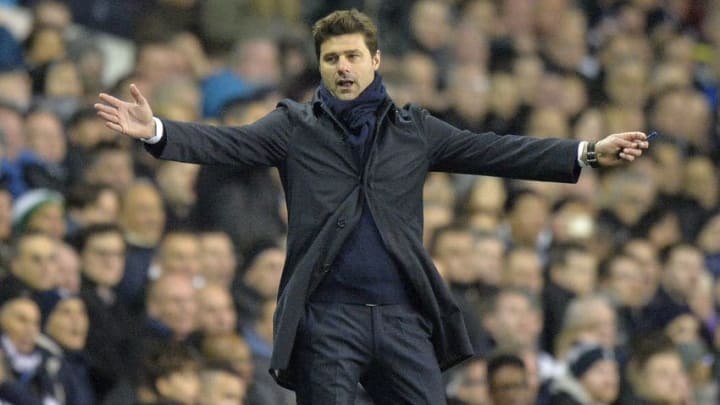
324 186
109 341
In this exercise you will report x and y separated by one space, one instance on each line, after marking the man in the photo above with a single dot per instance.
353 167
33 270
592 378
102 256
221 385
508 382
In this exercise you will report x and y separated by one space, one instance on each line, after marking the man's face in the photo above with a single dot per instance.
216 314
36 264
346 65
509 386
173 303
602 381
20 322
68 324
104 258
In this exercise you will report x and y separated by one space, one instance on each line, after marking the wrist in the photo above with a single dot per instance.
591 156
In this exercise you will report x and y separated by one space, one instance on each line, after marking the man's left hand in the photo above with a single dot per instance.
619 148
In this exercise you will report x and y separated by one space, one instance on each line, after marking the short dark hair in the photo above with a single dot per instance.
343 22
167 359
502 359
81 240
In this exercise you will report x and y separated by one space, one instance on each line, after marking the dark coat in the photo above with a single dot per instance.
324 185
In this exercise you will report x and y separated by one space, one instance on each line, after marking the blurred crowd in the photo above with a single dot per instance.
126 280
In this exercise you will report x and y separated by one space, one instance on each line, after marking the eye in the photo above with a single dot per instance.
330 58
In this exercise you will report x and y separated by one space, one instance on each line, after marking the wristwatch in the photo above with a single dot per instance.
591 157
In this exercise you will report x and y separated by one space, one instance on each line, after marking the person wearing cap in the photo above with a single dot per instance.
592 377
40 210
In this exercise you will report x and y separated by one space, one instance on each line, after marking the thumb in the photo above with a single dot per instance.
137 95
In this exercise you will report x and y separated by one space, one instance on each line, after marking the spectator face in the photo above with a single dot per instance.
36 261
49 219
430 24
142 215
663 379
473 389
217 255
68 269
215 310
346 65
523 270
514 322
627 282
683 270
578 274
602 381
264 274
233 349
509 386
20 322
528 218
180 253
469 93
104 210
113 168
182 386
701 181
221 388
177 182
260 62
45 137
103 259
453 250
172 302
63 80
46 46
488 259
68 324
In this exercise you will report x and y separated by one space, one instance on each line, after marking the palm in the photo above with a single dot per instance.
131 118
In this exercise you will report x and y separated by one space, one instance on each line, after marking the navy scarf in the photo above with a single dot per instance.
360 114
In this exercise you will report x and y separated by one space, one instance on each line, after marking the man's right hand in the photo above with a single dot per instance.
134 119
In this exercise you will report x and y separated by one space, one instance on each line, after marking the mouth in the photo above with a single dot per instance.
345 84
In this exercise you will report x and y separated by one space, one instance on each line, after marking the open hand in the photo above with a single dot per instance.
134 119
619 148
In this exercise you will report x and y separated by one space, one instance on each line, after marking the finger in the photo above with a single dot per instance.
632 136
625 156
105 108
113 101
113 126
137 95
108 117
632 151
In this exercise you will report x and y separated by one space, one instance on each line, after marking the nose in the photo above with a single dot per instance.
343 65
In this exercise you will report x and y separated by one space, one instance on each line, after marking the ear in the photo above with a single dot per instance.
376 60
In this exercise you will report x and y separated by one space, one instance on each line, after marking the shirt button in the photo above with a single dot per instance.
341 222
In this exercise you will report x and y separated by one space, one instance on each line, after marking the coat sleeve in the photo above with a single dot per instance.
458 151
260 144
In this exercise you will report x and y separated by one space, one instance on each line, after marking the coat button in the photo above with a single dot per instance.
326 268
341 222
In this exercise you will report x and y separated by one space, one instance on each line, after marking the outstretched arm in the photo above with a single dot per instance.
130 118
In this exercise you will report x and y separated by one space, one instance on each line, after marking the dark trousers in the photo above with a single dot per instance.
386 348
